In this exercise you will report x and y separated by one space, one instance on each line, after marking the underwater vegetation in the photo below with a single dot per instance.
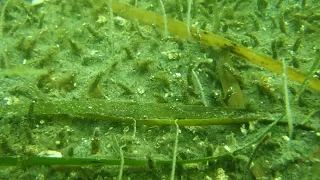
160 89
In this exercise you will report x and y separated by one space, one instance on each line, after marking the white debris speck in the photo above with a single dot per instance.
42 121
141 91
243 129
50 153
227 148
286 138
177 75
37 2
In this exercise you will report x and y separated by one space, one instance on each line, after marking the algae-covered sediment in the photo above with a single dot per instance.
146 97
